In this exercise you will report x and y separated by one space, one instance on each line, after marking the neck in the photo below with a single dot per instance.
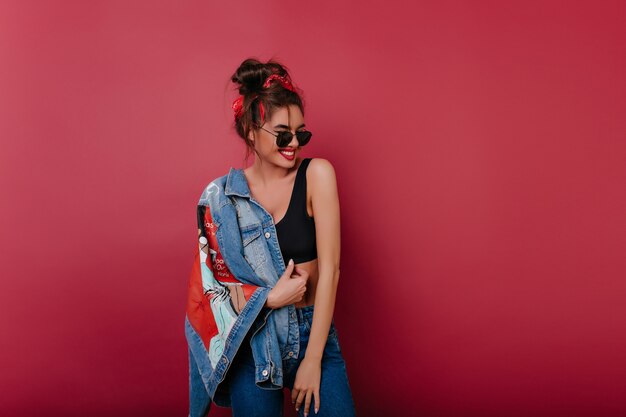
264 174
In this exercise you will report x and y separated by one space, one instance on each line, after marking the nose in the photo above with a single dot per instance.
294 141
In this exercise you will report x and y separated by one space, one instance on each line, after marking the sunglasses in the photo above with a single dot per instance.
283 138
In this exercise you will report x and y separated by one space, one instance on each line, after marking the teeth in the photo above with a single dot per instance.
287 153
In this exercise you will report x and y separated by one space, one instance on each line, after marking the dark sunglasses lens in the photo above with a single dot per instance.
303 137
283 139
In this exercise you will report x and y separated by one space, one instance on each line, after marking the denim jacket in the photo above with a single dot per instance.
237 262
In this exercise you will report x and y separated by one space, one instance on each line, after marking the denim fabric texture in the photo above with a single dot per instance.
237 263
248 400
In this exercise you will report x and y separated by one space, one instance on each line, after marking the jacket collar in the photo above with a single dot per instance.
236 183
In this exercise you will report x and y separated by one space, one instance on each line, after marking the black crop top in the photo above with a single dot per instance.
296 230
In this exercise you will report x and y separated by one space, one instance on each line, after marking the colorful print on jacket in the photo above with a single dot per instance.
213 286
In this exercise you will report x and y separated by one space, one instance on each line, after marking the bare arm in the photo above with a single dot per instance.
325 201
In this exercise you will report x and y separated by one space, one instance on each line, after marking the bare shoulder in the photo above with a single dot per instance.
322 189
321 172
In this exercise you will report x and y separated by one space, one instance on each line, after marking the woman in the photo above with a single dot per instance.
269 245
301 196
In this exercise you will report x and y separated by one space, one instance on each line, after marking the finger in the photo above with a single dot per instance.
290 266
317 400
307 402
294 395
300 398
297 272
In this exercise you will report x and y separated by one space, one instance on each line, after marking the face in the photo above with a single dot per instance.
284 119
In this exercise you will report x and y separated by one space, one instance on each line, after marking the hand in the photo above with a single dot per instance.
290 288
307 384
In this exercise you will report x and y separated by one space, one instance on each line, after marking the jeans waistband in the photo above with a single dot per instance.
305 312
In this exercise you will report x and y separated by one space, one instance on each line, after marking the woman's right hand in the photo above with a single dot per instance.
290 288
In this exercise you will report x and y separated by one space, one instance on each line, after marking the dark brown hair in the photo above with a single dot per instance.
249 79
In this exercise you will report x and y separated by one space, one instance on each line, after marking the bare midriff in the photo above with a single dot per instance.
311 286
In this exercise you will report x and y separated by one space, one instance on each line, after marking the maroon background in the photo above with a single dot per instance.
479 149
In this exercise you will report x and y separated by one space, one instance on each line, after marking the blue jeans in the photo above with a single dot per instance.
248 400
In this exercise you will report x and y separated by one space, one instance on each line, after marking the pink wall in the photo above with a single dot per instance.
479 148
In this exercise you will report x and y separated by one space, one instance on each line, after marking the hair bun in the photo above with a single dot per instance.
252 73
250 76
